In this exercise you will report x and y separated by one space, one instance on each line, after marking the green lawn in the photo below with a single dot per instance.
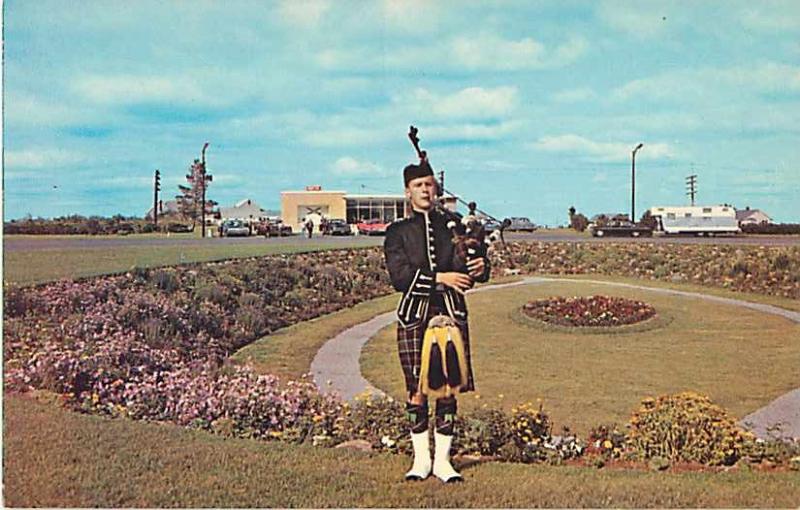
56 458
742 359
41 265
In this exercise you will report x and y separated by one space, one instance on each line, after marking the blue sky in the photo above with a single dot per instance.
528 106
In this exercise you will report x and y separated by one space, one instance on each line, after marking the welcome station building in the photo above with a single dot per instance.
315 203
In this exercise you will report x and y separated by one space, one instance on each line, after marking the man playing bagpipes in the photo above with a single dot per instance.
433 274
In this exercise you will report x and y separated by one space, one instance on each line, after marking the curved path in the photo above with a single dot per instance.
336 365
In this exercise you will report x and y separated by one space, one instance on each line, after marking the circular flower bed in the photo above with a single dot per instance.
592 311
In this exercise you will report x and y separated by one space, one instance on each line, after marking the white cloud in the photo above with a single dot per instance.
603 151
348 166
127 89
772 16
634 17
468 103
471 132
23 109
41 158
709 83
574 95
490 51
600 177
413 17
303 13
481 52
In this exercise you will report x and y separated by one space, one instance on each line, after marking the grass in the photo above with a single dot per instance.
288 352
56 458
42 265
742 359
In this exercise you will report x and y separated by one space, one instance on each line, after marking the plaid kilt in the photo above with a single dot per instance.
409 347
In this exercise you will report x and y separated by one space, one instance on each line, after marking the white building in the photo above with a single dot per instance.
749 216
246 210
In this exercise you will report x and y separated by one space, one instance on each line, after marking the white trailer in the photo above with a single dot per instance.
697 220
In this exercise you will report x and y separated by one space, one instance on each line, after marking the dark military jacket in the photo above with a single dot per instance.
416 248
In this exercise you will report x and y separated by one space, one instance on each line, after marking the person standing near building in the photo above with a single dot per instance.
309 227
422 264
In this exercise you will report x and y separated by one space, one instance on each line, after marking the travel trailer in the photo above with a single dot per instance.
697 220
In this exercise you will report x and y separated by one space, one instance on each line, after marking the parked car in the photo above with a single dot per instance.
521 224
273 228
178 228
374 227
337 228
621 228
125 228
233 228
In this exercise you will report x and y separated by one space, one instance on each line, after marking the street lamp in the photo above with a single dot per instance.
203 184
633 182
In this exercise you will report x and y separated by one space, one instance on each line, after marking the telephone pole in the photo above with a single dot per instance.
203 184
156 189
633 182
440 191
691 186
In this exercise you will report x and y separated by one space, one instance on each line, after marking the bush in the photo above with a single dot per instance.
773 229
376 419
483 432
685 427
608 440
165 280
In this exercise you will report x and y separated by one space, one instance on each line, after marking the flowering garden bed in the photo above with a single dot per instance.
153 345
592 311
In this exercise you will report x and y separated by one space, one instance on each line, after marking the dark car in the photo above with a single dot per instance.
178 228
620 228
521 224
337 228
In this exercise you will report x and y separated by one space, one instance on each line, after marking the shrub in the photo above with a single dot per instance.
483 432
685 427
377 419
608 440
165 280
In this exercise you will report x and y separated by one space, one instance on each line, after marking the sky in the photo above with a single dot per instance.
529 107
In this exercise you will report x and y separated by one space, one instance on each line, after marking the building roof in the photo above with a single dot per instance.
168 207
757 214
245 208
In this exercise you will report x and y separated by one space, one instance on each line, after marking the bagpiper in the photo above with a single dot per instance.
432 330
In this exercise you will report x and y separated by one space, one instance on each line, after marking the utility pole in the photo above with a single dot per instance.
156 189
203 184
691 186
633 182
440 191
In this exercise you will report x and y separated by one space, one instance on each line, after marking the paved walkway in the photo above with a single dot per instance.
336 365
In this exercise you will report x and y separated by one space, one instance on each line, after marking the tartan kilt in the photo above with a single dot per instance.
409 348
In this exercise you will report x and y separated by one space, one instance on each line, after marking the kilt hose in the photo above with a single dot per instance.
409 348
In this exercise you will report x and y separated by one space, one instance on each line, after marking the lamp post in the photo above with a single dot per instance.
633 182
203 184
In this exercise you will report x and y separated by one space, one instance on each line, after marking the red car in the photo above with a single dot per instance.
372 227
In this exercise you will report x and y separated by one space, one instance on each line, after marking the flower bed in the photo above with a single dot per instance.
152 344
773 270
593 311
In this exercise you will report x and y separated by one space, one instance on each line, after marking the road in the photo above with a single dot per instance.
27 243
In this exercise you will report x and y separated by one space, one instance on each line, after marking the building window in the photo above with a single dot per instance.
687 215
670 215
706 209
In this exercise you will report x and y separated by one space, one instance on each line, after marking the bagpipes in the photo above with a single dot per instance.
444 371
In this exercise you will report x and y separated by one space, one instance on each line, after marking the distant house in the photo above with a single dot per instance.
167 208
749 216
246 210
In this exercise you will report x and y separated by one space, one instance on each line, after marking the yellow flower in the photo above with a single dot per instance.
608 444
